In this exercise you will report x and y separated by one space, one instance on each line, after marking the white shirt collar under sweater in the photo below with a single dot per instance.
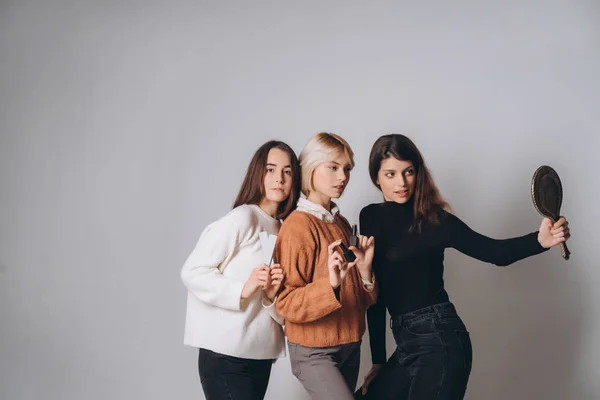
317 210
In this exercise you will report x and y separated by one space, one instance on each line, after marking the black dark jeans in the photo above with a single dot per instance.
231 378
432 360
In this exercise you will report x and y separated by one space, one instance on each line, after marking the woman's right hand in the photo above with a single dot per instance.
370 376
258 279
274 282
338 267
551 234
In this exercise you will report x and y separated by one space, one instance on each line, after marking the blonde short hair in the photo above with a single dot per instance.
321 148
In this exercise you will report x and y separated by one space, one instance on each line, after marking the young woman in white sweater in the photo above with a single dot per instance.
232 284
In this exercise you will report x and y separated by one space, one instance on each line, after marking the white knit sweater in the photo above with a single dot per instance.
214 274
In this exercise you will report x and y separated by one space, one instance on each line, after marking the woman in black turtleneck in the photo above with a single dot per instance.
412 229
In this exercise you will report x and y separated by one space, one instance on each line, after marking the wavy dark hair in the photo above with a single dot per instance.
252 190
427 199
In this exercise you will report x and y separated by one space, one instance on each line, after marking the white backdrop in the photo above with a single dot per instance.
126 127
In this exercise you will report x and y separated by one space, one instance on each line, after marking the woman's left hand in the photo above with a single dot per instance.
274 282
364 254
552 234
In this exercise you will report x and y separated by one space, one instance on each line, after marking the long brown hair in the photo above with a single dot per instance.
427 199
252 190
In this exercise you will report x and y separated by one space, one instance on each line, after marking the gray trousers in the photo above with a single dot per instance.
327 373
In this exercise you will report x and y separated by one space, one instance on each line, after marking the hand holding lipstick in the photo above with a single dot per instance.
359 254
364 251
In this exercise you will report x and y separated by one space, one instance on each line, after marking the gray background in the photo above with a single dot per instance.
127 127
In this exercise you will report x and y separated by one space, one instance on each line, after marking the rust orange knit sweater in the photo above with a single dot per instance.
314 317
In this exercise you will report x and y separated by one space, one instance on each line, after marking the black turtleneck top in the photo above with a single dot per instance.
409 265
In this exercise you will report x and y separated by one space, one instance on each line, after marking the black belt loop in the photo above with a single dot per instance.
395 320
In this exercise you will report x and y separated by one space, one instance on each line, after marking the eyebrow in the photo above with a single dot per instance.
404 170
337 163
274 165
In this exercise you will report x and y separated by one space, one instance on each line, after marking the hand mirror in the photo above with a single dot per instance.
547 194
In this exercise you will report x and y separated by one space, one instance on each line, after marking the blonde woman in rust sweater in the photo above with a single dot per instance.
324 297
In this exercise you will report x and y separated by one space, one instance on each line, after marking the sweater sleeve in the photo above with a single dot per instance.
301 299
217 245
271 308
499 252
375 313
377 327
